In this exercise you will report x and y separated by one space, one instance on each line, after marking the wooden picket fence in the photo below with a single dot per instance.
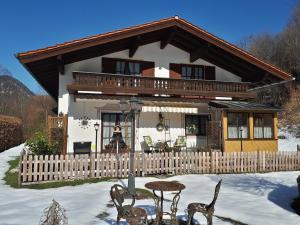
34 168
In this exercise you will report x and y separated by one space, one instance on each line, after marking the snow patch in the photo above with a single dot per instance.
249 198
288 144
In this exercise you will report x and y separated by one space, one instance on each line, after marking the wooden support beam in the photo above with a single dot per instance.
164 42
60 65
198 53
234 61
134 46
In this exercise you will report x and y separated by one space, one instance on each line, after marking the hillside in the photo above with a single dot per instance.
12 86
13 96
18 101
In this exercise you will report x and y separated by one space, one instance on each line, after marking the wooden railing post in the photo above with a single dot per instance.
65 133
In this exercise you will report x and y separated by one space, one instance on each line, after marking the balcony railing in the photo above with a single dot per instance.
125 84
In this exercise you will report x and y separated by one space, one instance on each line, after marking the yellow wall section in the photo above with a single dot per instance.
249 144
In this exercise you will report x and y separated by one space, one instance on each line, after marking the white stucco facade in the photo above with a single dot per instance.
148 120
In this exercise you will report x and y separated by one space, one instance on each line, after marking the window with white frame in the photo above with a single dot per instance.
237 125
263 125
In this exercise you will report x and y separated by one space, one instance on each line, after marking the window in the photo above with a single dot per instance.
195 125
263 125
128 67
237 125
109 120
192 72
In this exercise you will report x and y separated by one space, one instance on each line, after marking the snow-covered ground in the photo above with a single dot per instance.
250 198
288 144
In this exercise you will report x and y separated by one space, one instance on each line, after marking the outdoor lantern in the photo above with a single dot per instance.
140 106
123 105
133 103
96 125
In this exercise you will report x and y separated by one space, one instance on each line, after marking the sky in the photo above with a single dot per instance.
32 24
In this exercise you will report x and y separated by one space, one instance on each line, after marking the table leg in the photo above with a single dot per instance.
174 206
158 200
161 201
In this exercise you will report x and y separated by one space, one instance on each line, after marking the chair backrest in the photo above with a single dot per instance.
217 190
181 141
148 141
118 194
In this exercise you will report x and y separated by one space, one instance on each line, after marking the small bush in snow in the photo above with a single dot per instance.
39 145
54 215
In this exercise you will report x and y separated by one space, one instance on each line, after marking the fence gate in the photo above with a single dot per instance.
214 131
58 130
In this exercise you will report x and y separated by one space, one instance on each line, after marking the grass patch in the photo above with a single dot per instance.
57 184
11 175
11 179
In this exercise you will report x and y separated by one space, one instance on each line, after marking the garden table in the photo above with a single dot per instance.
163 186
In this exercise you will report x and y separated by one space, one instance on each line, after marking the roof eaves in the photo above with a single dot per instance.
89 39
86 42
221 42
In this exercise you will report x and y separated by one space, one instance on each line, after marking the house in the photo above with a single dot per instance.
192 84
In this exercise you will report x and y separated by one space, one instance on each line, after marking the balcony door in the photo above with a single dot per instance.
192 72
128 67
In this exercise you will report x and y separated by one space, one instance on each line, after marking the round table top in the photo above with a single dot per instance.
165 186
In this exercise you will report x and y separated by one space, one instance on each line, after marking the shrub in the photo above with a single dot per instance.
39 145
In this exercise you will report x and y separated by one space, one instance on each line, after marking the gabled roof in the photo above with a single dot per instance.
36 61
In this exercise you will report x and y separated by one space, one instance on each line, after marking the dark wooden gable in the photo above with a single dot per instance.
45 64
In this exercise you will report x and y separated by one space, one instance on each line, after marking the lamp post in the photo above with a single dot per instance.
134 106
241 137
96 126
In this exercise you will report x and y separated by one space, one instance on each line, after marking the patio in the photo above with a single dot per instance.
241 198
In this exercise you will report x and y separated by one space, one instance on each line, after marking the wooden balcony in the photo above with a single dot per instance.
138 85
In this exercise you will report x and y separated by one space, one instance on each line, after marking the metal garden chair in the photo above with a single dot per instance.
206 210
180 142
133 215
148 141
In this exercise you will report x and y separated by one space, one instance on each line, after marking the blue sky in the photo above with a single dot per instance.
31 24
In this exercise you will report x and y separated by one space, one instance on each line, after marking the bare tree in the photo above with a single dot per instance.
282 49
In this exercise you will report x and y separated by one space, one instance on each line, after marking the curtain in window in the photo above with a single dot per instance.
258 132
186 72
134 68
263 125
120 67
268 132
232 132
237 125
198 73
244 131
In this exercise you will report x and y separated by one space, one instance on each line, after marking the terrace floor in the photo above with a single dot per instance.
248 198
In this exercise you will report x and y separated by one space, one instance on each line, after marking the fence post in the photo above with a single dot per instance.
210 161
257 162
20 168
65 133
